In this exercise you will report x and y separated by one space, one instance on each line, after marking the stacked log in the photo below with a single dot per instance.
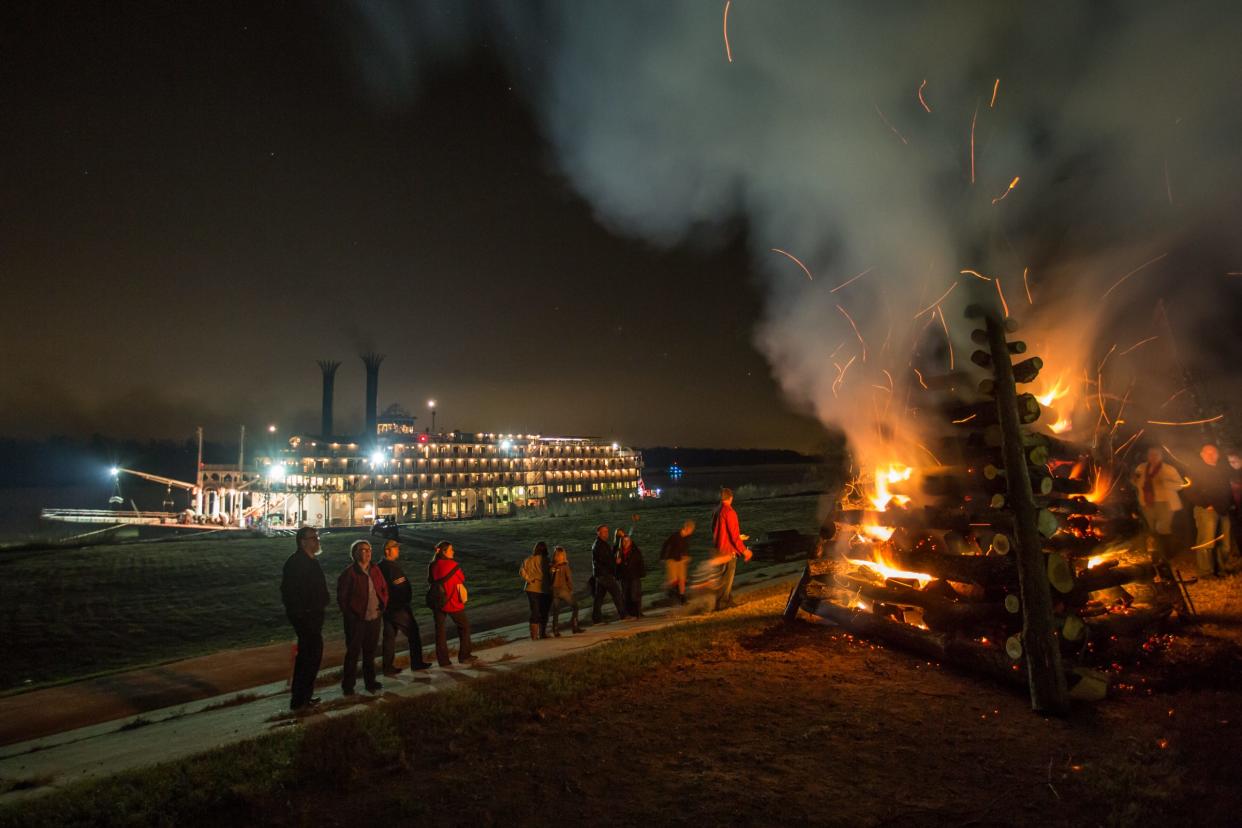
1000 542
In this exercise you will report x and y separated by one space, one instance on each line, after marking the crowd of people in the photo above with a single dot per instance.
1214 492
379 599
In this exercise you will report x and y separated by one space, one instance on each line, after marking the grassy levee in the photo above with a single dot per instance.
252 782
81 612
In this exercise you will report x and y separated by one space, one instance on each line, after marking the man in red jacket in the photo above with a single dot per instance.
362 594
729 541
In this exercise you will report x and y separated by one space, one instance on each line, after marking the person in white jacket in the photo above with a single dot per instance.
1157 485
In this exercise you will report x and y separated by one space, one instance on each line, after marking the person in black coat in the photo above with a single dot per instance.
304 592
630 570
604 576
399 613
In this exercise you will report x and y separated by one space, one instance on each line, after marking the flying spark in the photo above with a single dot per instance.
919 374
936 304
964 419
1008 189
728 51
1215 419
973 118
1176 394
1027 285
889 125
795 260
995 88
852 281
1168 188
923 102
947 338
856 333
1131 273
1001 294
976 274
1100 368
1137 344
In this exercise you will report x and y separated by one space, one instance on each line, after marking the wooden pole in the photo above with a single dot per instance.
1043 656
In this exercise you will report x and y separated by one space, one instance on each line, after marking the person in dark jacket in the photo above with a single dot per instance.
399 614
676 556
1209 494
630 570
604 576
362 594
536 572
304 592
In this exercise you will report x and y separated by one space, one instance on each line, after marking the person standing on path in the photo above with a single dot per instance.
1209 492
446 596
562 591
1157 483
399 613
676 556
304 592
536 572
729 541
604 576
362 595
631 569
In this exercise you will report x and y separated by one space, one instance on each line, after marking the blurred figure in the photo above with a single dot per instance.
728 540
604 576
304 592
536 571
562 591
1234 457
1210 495
362 595
399 614
630 570
446 596
703 589
676 556
1157 484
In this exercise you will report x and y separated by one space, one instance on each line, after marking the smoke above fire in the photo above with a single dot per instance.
1083 155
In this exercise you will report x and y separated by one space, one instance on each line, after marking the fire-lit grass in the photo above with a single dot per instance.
100 609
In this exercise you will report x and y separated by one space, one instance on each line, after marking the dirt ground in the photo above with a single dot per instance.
803 724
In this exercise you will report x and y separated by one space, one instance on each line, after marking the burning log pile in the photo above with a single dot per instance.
1013 555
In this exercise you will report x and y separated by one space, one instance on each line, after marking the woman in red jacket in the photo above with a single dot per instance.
446 596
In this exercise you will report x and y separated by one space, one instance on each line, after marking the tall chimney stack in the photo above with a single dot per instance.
328 366
372 361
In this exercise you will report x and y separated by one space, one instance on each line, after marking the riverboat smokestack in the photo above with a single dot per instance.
372 361
328 367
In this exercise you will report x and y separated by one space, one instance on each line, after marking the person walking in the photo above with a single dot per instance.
728 540
399 613
446 596
604 577
562 591
536 572
362 595
304 592
630 570
676 556
1209 493
1156 484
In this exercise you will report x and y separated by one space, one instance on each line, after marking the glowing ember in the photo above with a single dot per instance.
1062 424
1095 561
895 473
1100 486
885 571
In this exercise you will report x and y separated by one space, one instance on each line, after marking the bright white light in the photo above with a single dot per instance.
276 473
377 458
615 446
114 471
271 429
431 403
505 445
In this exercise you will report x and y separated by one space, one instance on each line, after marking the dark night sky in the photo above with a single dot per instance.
198 203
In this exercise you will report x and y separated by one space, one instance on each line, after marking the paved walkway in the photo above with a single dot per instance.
177 731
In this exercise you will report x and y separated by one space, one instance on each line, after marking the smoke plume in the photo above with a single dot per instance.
1056 147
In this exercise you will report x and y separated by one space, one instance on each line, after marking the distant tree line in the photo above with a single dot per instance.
665 456
68 461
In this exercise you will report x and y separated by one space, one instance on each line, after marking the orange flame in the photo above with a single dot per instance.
895 473
1100 488
886 570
